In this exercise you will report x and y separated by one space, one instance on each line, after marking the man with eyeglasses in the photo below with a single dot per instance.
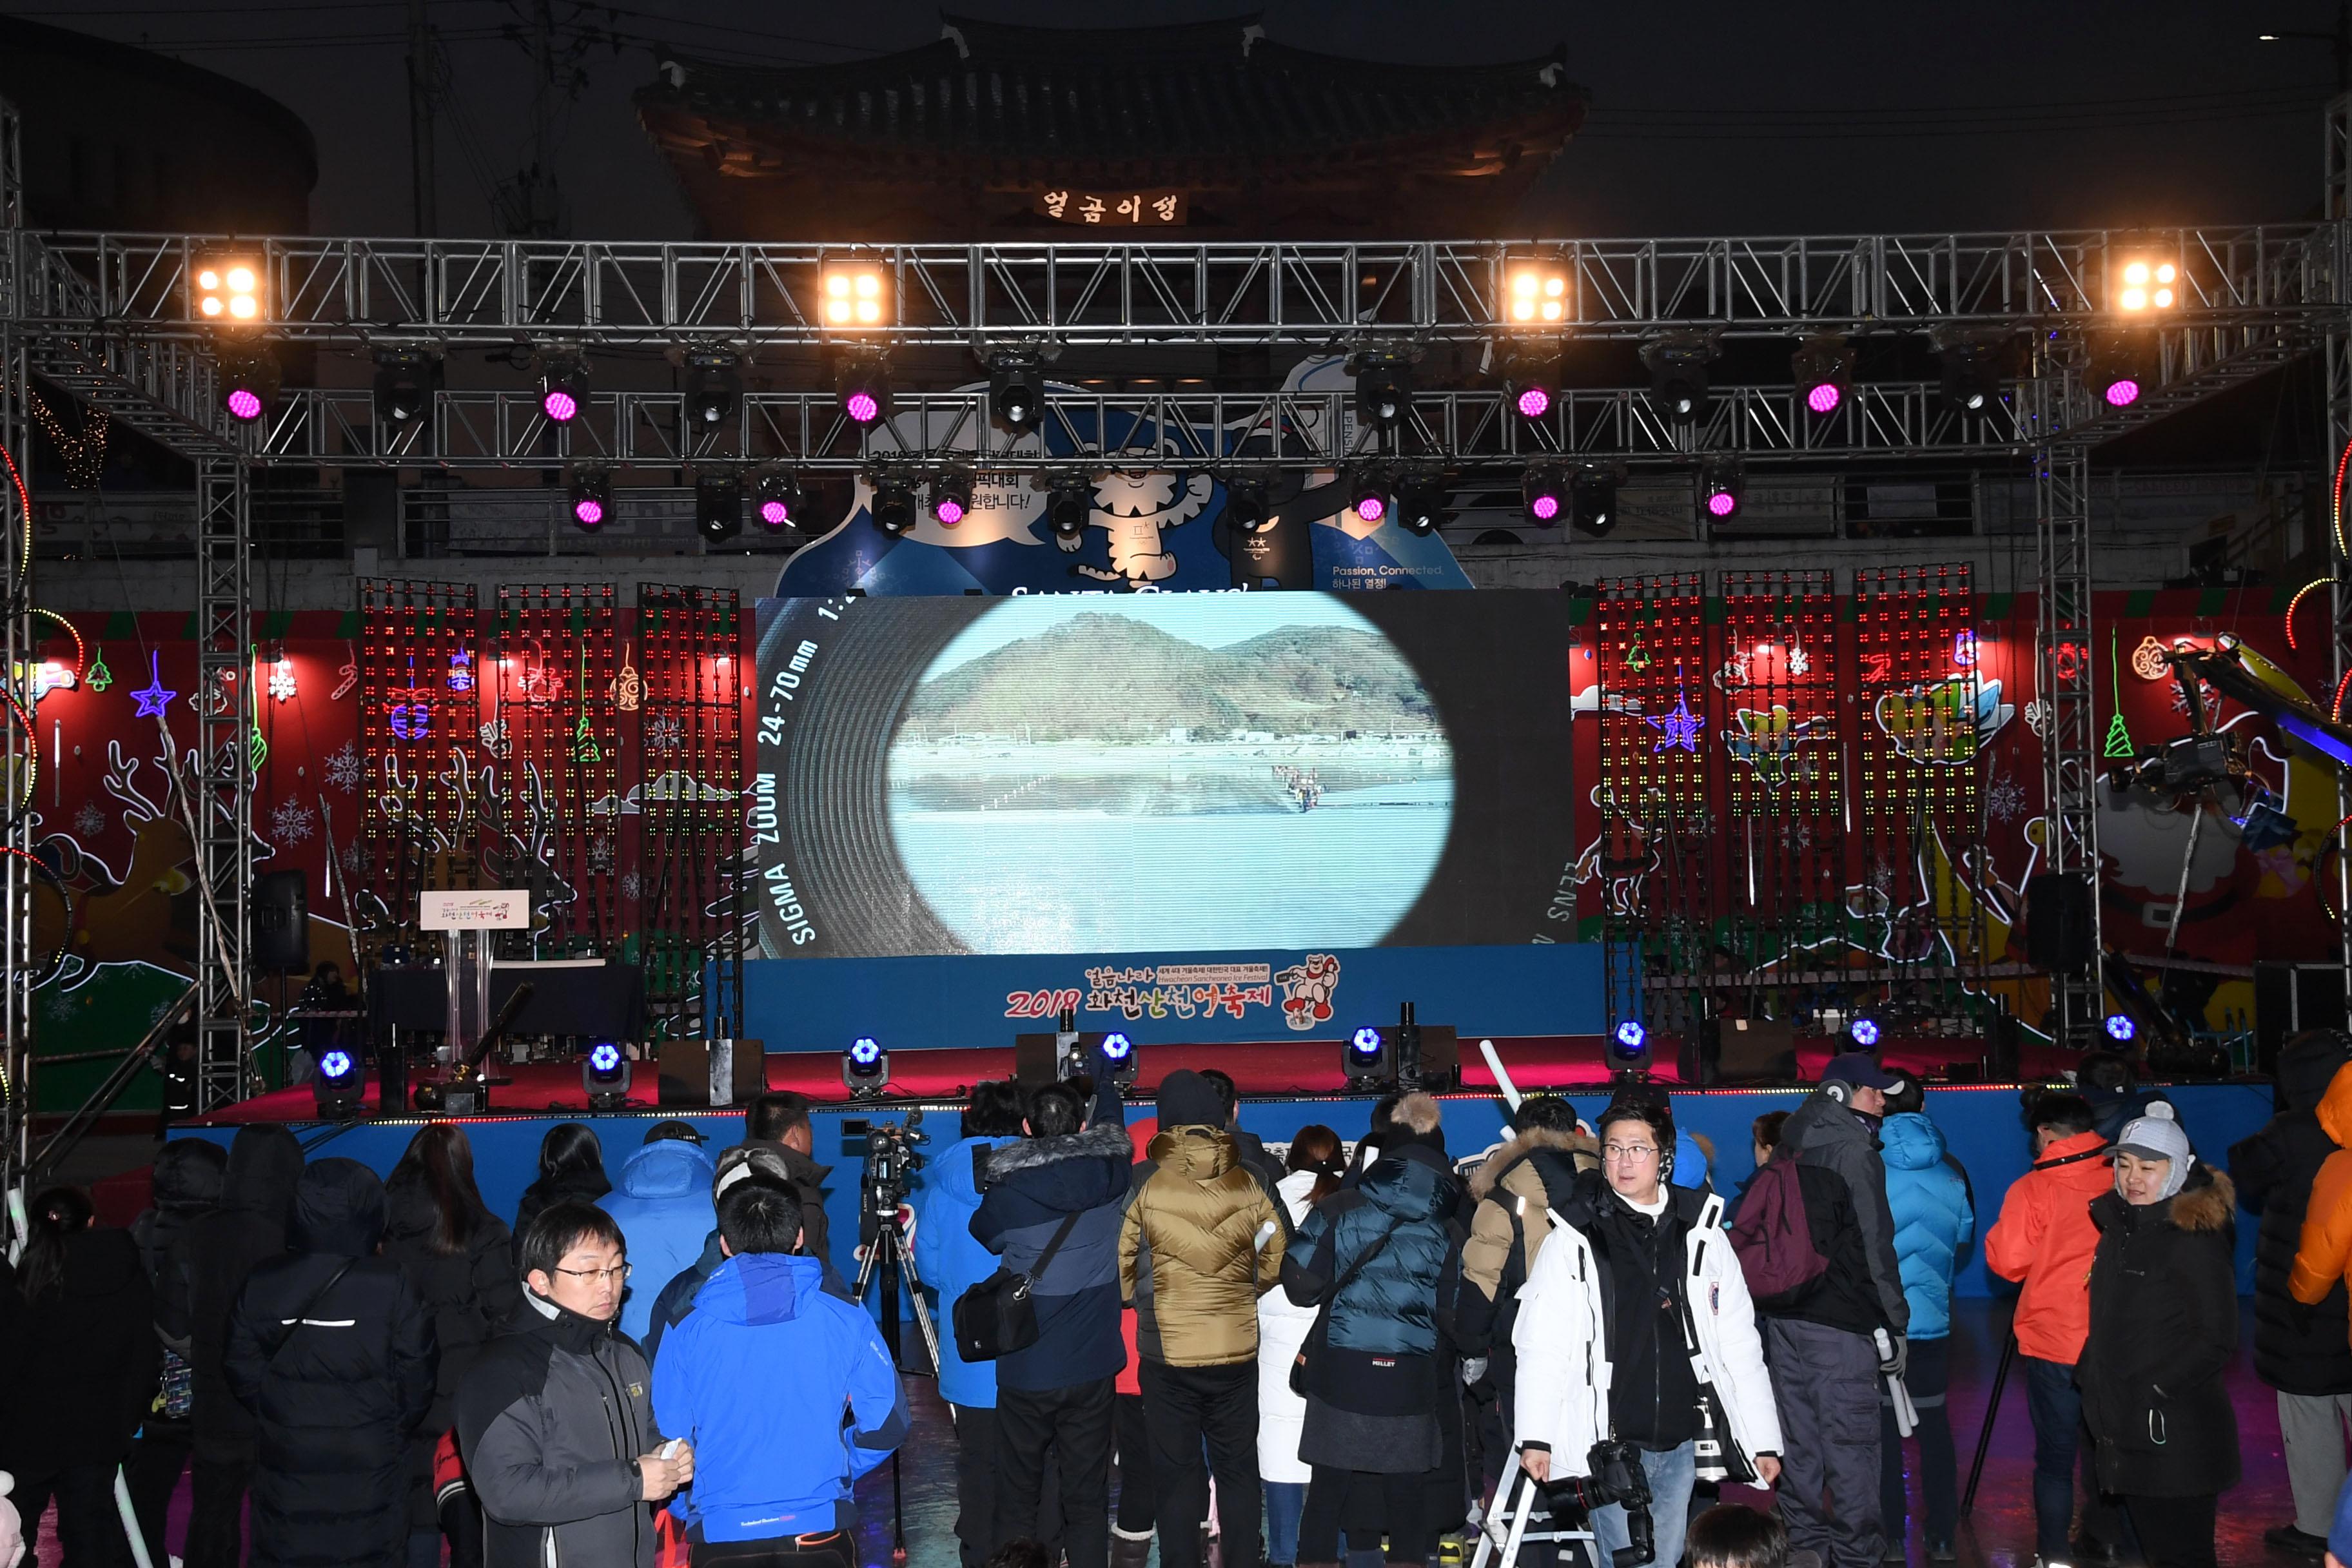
556 1423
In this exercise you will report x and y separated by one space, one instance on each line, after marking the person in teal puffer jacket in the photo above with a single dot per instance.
1934 1208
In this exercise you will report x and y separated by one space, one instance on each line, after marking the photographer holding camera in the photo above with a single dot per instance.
1639 1362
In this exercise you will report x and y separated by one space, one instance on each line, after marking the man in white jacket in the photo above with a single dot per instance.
1638 1269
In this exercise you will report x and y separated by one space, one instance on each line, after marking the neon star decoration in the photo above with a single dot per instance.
156 697
1678 725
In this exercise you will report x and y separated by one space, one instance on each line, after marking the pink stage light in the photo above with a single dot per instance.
862 408
558 406
775 513
244 403
589 511
1546 508
949 511
2123 391
1535 402
1824 398
1722 504
1371 509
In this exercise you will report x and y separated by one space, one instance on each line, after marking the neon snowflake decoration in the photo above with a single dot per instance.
281 680
345 767
89 821
290 822
2005 799
664 733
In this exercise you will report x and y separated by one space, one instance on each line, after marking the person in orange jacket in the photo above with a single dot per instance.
2044 1239
2323 1258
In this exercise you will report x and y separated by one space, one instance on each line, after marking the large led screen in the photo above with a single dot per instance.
1176 771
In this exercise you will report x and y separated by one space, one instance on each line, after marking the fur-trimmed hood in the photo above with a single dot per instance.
2205 1206
1105 1141
1489 1176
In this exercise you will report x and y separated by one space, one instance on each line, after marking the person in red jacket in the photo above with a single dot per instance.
2045 1238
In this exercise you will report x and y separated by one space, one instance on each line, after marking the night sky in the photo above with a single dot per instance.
1709 117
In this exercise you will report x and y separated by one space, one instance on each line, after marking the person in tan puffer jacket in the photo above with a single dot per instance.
1200 1244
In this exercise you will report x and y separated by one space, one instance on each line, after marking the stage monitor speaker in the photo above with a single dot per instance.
2001 1063
1037 1058
2058 921
712 1072
1764 1052
1441 1057
281 922
2288 999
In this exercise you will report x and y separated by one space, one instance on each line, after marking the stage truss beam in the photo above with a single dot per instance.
221 776
2065 648
19 745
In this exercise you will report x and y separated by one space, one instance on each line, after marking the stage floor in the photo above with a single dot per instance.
2000 1535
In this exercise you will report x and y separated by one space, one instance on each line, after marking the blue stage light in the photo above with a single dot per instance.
335 1064
1115 1047
1864 1032
2120 1028
864 1052
1367 1042
604 1057
1630 1034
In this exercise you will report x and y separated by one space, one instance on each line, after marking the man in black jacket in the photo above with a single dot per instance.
334 1354
557 1422
201 1280
2301 1352
188 1175
1826 1366
778 1121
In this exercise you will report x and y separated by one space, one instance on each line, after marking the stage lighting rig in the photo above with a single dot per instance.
864 1068
604 1073
225 291
1823 367
861 380
952 497
2121 1029
1368 493
713 388
2115 373
1119 1058
1970 369
340 1087
249 378
591 497
2146 285
1544 492
1722 482
1248 502
562 385
894 504
406 380
782 501
854 297
1384 389
1592 498
1678 364
717 506
1863 1032
1629 1046
1532 375
1368 1059
1535 294
1017 389
1420 504
1070 505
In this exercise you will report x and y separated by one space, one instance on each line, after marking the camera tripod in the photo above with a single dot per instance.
889 1258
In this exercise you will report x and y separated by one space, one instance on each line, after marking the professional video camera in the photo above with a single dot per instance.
891 1160
1617 1475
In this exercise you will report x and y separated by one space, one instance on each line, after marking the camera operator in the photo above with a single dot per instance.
1633 1313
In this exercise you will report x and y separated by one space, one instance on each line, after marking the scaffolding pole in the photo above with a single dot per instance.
19 753
2065 647
222 781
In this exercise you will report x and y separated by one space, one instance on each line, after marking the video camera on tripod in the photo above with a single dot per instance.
891 1160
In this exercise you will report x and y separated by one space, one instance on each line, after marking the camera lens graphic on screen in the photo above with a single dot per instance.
1073 774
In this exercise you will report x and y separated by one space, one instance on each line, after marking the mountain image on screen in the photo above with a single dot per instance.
1184 773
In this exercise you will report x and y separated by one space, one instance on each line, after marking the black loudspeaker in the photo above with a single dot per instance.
2288 999
1441 1057
1763 1052
281 922
1037 1058
2058 921
2000 1057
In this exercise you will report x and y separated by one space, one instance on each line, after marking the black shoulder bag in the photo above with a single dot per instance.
1302 1368
996 1317
310 1305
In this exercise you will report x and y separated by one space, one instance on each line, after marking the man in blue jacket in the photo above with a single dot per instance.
1061 1190
1935 1214
950 1262
775 1385
662 1204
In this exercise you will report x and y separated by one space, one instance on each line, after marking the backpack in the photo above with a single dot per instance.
1774 1238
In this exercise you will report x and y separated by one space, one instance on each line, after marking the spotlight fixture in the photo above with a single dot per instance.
862 382
1592 500
563 387
1368 495
864 1068
592 497
1677 366
952 497
2121 1029
713 388
894 506
1544 491
1970 374
782 500
717 506
1369 1058
1823 367
340 1086
248 381
1248 503
405 382
1420 505
225 291
1863 1032
853 296
1722 480
604 1073
1017 389
1119 1058
2145 284
1069 505
2114 373
1628 1044
1531 381
1535 294
1384 389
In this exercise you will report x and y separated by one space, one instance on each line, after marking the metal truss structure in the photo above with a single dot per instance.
111 319
19 745
2064 649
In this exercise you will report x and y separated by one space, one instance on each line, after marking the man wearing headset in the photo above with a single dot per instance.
1826 1350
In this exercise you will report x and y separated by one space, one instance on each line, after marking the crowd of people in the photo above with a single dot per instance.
1339 1355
